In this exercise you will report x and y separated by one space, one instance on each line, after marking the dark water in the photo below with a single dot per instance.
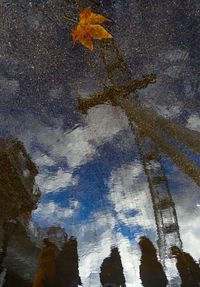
100 148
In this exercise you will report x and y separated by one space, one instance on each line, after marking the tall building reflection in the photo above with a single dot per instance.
19 194
111 274
18 197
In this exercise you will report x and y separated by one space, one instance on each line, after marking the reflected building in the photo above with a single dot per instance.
111 274
18 197
46 274
18 193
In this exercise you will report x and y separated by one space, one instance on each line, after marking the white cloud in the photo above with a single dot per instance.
194 122
130 257
49 182
105 121
189 220
129 192
52 213
102 123
78 146
43 160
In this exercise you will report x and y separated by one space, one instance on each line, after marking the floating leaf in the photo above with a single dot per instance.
89 28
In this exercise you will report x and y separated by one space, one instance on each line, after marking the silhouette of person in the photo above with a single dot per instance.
67 274
151 270
112 270
188 269
45 276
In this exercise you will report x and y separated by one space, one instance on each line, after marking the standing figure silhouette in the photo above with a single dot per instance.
188 269
67 269
151 270
46 274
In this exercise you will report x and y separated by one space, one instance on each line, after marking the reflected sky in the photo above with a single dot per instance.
91 174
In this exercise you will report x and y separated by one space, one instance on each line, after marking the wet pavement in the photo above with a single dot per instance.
99 152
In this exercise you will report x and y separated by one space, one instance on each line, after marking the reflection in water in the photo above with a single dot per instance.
8 229
148 123
150 134
67 272
163 204
112 271
19 195
98 183
151 270
119 95
188 269
58 268
45 276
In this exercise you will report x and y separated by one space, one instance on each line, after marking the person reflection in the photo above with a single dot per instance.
188 269
45 276
151 270
67 274
111 274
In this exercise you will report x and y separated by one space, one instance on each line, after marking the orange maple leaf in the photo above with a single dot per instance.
88 28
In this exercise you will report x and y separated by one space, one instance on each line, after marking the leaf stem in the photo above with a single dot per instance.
70 19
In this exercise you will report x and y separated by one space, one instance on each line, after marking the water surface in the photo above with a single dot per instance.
101 146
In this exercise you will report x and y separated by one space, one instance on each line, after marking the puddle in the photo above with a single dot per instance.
100 165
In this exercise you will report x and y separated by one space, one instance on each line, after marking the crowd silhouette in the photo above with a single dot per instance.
60 268
152 273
